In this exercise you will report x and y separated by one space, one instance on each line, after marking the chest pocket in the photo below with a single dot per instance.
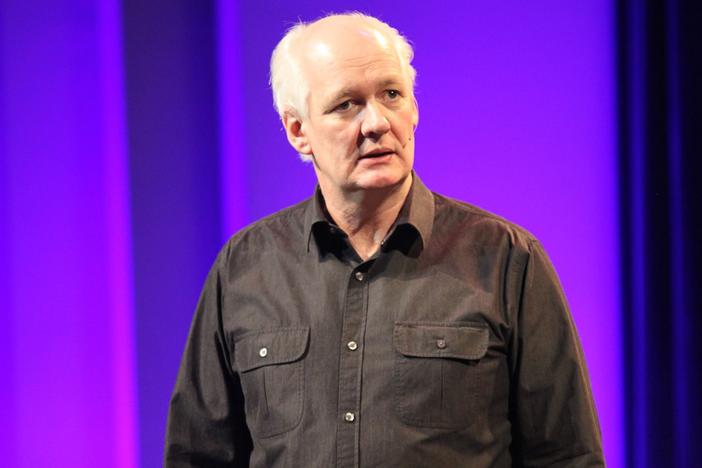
270 365
439 373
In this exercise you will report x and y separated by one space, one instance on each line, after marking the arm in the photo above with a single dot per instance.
554 417
206 422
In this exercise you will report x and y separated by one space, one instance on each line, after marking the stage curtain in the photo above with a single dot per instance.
660 91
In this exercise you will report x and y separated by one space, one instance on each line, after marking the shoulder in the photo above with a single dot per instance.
461 220
283 229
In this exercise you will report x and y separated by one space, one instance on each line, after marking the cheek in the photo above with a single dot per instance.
348 136
338 143
338 140
403 128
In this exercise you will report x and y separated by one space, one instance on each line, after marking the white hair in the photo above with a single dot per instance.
290 88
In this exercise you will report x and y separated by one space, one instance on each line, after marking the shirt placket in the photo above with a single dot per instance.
350 367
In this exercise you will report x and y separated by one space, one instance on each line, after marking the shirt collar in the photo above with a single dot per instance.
416 214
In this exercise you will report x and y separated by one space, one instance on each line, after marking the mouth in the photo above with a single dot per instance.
377 153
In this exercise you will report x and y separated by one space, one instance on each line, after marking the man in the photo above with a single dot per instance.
376 323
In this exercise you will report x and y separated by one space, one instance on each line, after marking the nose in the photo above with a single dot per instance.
374 124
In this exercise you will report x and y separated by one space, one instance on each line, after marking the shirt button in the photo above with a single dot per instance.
352 345
263 352
441 344
349 417
359 276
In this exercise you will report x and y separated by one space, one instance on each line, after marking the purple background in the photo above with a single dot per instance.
136 137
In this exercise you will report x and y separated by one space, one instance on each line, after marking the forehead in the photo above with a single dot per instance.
347 58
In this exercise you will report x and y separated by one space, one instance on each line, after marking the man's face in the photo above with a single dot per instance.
362 111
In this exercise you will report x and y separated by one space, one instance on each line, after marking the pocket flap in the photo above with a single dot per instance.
270 347
429 340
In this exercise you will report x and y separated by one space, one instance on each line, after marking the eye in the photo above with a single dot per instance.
393 94
344 106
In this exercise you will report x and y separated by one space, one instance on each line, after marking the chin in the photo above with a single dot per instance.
381 180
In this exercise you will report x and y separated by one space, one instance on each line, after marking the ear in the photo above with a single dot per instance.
415 117
295 131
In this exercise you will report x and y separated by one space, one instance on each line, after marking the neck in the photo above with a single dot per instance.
366 215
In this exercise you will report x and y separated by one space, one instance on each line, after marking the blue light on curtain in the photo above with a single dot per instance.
660 57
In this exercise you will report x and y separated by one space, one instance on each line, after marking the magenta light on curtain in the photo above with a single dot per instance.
66 240
231 119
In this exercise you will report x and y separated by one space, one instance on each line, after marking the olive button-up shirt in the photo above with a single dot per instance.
452 346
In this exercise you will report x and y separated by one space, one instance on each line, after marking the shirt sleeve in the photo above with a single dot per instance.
555 418
206 423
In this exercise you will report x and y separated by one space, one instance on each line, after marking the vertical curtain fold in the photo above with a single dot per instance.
660 56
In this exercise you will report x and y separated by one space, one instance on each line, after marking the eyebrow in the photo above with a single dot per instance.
349 90
343 92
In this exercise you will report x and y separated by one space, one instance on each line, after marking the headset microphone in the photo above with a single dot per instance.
408 141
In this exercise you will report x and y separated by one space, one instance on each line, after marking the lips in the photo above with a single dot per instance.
376 153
